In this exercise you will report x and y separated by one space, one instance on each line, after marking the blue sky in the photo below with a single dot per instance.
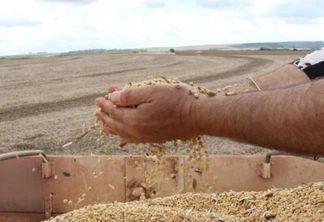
64 25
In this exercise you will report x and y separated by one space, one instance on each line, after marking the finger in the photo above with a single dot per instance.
106 106
132 97
113 88
112 125
99 101
108 130
123 142
117 113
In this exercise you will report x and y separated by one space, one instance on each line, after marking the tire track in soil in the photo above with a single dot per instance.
253 63
109 73
17 85
17 112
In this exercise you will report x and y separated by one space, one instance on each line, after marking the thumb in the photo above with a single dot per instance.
113 88
130 97
123 142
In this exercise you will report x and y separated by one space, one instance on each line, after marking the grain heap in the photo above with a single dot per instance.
303 203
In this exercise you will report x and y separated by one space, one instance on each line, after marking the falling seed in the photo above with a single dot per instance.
111 186
194 184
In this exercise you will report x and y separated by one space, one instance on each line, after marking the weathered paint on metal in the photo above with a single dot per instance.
98 179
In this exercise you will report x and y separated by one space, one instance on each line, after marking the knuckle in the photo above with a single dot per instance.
133 124
125 96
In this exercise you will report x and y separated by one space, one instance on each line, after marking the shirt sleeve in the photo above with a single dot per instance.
312 64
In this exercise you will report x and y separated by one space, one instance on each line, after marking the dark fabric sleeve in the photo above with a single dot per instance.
312 64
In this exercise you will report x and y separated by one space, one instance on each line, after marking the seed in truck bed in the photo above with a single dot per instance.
294 204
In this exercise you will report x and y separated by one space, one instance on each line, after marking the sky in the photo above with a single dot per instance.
66 25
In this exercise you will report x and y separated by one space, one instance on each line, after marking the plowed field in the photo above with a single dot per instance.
44 101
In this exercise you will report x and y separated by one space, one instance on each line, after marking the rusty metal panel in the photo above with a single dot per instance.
162 177
23 191
21 185
240 173
96 179
21 217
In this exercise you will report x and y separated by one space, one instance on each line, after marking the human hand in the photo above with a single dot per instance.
154 113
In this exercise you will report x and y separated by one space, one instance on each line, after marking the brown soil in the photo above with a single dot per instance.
44 101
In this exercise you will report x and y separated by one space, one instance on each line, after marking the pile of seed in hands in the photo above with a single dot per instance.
302 203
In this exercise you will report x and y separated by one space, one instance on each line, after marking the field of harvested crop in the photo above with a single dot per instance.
45 103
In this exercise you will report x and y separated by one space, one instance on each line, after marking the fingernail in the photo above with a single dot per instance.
115 97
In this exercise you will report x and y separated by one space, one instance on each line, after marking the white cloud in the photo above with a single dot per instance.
298 9
221 4
45 25
155 3
28 13
77 2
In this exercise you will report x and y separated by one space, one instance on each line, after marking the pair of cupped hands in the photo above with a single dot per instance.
148 114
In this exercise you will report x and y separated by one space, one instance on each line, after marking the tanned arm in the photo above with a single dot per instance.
289 119
286 76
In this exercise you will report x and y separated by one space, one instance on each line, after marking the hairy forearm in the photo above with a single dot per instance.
289 119
286 76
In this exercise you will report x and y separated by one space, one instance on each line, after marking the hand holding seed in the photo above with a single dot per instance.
153 113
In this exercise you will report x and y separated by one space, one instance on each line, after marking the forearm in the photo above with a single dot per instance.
287 76
289 119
